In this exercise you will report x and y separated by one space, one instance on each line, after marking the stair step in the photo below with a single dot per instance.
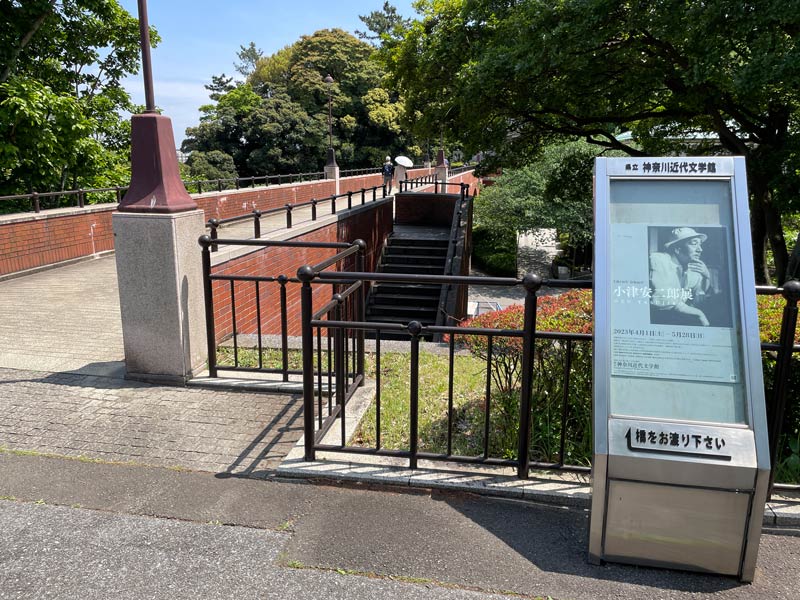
435 250
413 258
414 269
400 320
410 289
412 312
431 299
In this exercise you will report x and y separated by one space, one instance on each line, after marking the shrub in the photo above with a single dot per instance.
495 251
571 313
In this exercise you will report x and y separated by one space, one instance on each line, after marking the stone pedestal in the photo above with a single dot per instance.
332 172
161 294
441 167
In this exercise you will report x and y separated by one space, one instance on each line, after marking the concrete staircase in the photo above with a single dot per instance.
404 302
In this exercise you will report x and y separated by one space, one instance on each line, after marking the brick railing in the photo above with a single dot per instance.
34 240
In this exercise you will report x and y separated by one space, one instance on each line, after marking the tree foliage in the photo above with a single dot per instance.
277 121
249 56
210 165
509 76
555 191
61 67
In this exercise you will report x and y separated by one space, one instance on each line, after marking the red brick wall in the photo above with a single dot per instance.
436 210
354 184
232 203
371 225
31 241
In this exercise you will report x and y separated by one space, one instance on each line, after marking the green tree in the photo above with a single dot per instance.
555 191
249 56
277 122
383 25
210 165
61 67
511 75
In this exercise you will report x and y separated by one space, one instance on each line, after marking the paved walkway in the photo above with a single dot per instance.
61 393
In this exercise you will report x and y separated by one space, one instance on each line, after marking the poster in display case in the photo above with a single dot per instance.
678 394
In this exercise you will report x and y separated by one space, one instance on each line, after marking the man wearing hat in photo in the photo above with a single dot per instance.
679 280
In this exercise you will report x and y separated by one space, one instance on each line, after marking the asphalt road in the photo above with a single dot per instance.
77 529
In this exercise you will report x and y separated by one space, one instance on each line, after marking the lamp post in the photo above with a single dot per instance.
156 185
331 162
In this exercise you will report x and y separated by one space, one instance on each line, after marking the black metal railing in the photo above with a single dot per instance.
38 201
237 183
358 172
459 170
415 330
352 198
442 187
254 289
406 185
347 348
783 351
456 238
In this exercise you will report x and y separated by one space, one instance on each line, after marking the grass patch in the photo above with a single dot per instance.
469 407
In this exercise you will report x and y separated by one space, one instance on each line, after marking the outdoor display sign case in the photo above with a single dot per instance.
681 458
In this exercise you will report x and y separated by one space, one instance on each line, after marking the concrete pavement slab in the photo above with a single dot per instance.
63 553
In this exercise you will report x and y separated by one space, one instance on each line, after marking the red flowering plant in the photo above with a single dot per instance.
570 312
770 318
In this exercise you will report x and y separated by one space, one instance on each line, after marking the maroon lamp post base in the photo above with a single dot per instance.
156 185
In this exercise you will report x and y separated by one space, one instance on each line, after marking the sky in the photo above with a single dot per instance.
200 38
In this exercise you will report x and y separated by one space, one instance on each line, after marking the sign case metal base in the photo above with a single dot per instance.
681 459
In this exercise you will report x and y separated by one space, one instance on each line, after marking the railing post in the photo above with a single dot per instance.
35 198
213 224
211 342
339 364
236 182
333 204
313 209
362 308
288 216
219 185
81 198
791 291
414 328
282 280
256 224
374 193
199 187
305 274
436 186
531 283
118 191
363 195
349 200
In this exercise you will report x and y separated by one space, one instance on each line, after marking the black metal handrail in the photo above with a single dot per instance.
456 232
784 349
199 186
357 172
460 170
415 182
213 225
281 280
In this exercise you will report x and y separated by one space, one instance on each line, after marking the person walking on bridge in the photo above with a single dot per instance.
388 174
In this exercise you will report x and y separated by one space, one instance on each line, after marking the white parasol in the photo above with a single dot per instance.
404 161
